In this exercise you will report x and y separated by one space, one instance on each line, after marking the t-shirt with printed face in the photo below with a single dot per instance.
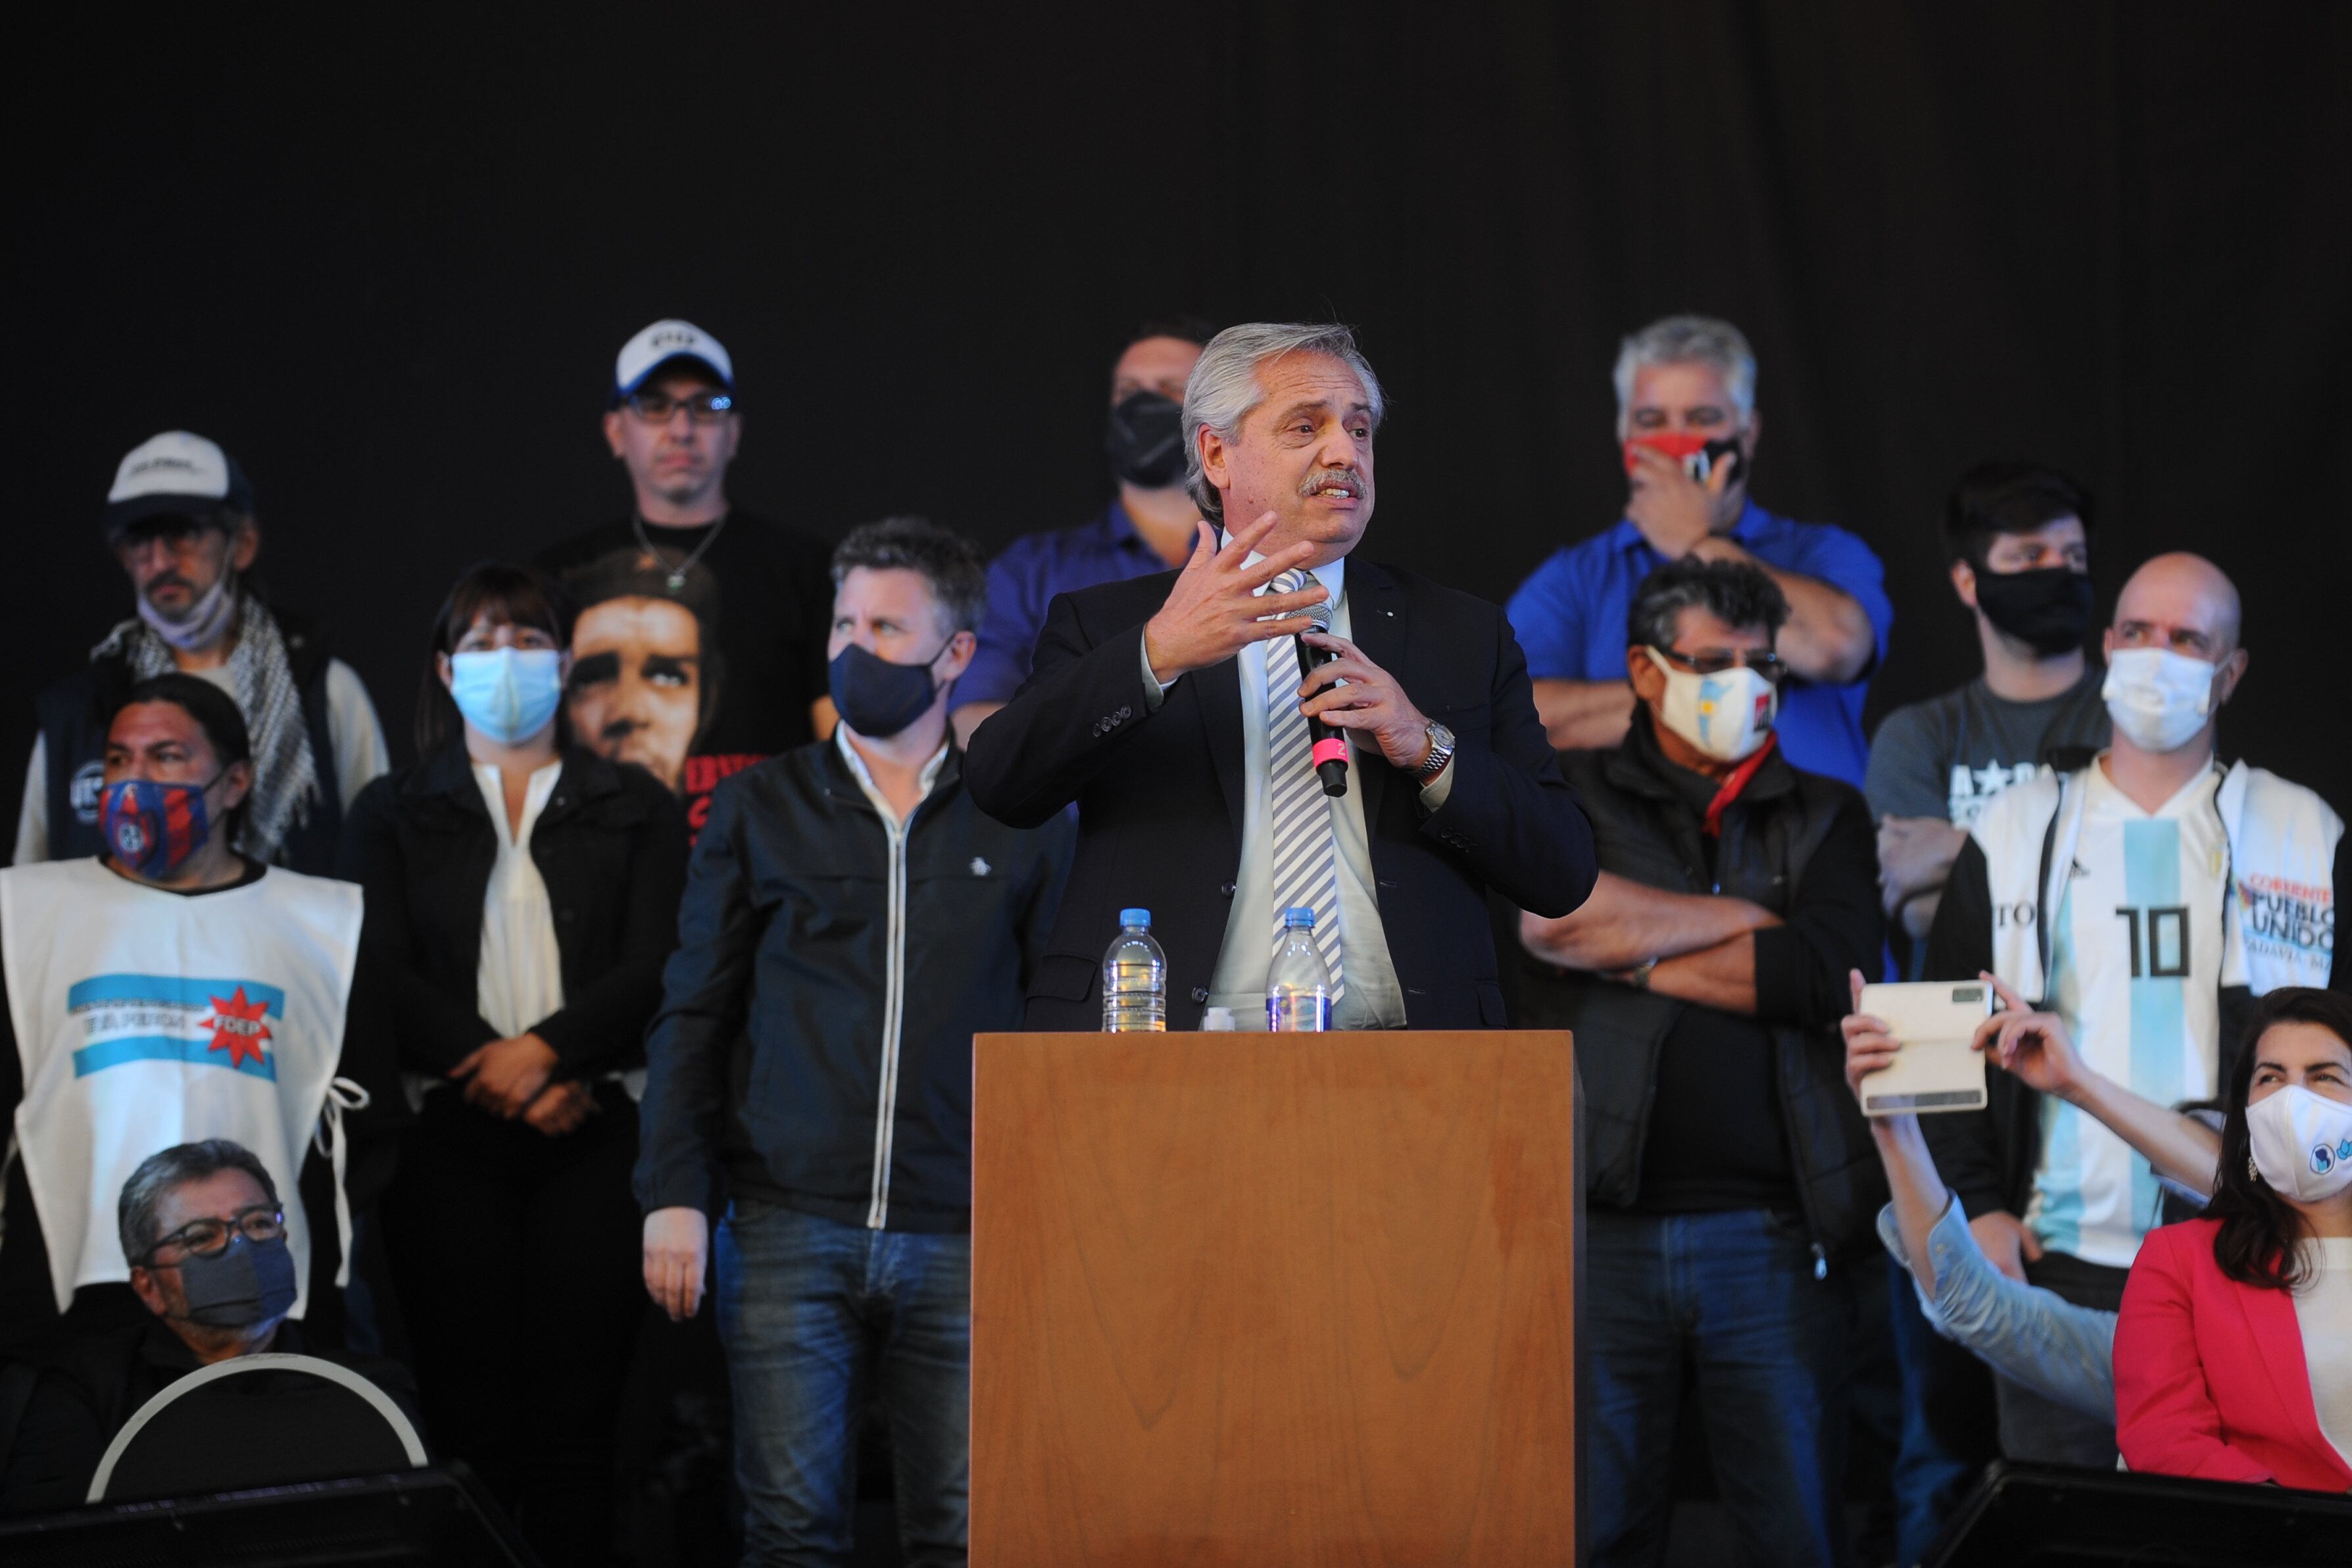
1947 757
2136 954
701 656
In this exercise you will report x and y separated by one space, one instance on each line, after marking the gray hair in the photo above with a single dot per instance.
1223 387
1736 593
1689 340
161 1172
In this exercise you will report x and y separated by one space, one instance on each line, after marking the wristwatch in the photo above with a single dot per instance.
1638 977
1440 751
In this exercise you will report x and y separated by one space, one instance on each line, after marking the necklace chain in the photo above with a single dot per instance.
678 573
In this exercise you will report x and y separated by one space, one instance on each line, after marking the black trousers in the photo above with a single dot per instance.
516 1259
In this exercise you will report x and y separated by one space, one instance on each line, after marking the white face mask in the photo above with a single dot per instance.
1728 715
2302 1143
2159 699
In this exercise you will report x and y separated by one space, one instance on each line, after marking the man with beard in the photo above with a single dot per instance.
645 682
1148 528
1164 709
180 520
675 421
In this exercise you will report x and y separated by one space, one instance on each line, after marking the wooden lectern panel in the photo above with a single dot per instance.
1241 1299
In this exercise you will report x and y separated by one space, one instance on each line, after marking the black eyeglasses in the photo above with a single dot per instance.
207 1237
659 407
1715 660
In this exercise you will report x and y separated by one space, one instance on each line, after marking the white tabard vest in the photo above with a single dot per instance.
2279 921
147 1018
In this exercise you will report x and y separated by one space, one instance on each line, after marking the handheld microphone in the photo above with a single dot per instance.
1329 745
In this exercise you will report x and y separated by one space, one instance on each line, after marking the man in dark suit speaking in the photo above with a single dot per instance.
1173 710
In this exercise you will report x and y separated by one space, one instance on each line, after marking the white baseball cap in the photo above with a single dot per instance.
176 474
662 342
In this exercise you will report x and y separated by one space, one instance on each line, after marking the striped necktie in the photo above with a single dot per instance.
1306 862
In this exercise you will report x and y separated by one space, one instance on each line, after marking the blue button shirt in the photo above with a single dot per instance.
1570 617
1024 580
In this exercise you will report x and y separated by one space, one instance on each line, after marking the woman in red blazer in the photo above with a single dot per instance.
2233 1356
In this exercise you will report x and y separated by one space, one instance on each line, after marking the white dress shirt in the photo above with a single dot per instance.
1372 999
521 980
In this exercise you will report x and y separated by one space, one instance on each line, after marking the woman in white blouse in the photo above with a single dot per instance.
521 898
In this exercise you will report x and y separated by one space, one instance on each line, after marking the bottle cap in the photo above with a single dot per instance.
1135 918
1298 915
1218 1018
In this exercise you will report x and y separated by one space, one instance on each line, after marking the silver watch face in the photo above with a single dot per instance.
1441 748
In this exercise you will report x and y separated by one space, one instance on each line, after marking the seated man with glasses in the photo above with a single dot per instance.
1733 1189
205 1235
688 563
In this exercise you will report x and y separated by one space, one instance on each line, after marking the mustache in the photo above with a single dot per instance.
169 580
1321 480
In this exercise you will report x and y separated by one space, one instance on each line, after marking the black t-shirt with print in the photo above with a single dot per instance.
643 676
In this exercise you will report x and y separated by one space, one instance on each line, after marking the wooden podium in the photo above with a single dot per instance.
1241 1299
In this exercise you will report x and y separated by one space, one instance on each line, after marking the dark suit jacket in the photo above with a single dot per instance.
1160 808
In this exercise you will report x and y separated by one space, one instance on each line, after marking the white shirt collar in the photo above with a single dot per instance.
865 777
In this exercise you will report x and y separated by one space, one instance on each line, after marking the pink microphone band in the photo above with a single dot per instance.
1334 750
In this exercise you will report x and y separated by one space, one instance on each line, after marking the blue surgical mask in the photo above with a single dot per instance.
507 693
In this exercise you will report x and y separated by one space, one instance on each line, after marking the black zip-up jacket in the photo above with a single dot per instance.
1795 843
611 846
831 971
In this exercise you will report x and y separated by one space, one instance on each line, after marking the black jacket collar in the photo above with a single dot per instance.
448 775
1635 766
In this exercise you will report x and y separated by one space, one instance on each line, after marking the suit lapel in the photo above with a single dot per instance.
1217 693
1376 615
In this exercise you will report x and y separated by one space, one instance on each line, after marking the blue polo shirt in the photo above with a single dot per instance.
1024 580
1569 616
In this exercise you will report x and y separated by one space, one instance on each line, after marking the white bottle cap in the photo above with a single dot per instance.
1218 1018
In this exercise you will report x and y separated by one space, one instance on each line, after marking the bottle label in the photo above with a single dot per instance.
1297 1013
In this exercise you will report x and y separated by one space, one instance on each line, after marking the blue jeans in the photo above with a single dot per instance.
1732 1297
810 1310
1948 1431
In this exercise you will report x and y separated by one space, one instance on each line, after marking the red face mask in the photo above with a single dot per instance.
1696 454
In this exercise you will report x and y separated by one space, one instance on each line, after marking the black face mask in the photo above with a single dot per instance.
245 1283
1145 440
876 698
2048 608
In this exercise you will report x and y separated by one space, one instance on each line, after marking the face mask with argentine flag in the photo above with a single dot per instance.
1728 715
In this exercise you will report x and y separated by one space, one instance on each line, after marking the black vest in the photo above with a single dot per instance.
74 715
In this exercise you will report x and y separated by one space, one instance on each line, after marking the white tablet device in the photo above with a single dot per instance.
1936 1069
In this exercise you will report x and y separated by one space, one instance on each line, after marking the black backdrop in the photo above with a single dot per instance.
387 265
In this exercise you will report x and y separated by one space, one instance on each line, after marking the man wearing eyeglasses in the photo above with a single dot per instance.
180 521
1731 1176
204 1234
761 591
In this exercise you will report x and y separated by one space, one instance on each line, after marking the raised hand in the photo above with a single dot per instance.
1212 612
1372 703
1674 511
1868 1046
2033 1046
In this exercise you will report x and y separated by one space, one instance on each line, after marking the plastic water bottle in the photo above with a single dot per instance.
1134 977
1298 987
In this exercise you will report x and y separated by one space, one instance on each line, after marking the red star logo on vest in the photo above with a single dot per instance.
237 1027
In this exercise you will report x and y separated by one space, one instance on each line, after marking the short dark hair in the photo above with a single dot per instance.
2257 1242
159 1173
1735 591
510 595
2007 497
1182 325
951 564
216 713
